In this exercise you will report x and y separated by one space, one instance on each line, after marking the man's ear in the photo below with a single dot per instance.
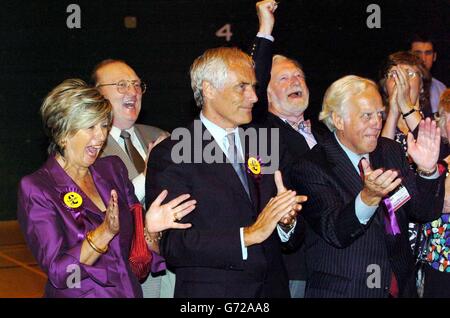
434 57
269 94
209 91
338 121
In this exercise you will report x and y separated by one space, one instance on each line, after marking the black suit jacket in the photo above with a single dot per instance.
207 258
261 52
341 252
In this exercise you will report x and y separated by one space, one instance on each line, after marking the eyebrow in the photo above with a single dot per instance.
424 51
247 83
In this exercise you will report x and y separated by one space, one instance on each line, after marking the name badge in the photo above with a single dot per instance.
398 199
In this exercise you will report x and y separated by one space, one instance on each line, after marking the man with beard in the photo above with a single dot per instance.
283 98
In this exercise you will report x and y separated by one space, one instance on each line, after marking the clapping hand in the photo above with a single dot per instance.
291 215
111 221
425 150
166 216
377 184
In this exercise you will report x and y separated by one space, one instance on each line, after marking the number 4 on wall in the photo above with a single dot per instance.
225 32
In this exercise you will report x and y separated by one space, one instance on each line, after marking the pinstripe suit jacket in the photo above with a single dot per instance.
341 252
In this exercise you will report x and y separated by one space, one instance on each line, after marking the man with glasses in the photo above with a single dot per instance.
119 83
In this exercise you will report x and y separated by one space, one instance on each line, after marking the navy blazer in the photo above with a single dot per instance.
207 258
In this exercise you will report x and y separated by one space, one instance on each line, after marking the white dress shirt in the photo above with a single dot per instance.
139 181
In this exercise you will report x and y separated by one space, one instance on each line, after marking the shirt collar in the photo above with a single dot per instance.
115 132
354 158
218 133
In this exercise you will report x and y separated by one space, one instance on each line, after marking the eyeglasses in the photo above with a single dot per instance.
124 85
409 73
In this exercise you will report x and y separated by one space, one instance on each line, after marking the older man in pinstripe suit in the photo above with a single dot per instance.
355 247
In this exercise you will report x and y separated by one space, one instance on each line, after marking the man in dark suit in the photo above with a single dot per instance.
283 97
358 246
233 248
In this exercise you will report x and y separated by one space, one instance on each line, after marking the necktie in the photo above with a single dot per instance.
305 126
361 169
237 164
393 289
302 125
132 152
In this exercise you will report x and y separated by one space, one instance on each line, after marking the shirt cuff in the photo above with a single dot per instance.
265 36
243 247
285 236
363 211
139 187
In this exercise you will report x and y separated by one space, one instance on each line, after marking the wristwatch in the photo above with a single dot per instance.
404 115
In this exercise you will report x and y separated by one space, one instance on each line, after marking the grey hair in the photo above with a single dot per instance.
278 58
337 95
212 66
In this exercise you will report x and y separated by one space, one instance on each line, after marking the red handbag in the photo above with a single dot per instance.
140 256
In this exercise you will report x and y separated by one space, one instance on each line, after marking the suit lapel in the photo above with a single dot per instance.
252 183
140 137
225 171
112 148
342 166
376 161
103 187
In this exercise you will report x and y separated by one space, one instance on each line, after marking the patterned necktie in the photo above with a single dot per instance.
305 126
237 164
302 125
132 152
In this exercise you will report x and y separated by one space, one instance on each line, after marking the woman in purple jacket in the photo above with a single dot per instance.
75 210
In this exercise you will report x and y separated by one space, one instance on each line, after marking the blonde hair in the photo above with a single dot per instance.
444 110
69 107
338 94
213 66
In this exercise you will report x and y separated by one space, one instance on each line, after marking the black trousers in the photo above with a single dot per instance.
437 283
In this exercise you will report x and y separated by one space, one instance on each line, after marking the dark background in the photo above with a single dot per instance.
330 38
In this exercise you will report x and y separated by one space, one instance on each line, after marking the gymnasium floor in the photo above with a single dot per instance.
19 274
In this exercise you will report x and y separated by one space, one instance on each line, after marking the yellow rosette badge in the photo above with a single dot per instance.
254 165
73 200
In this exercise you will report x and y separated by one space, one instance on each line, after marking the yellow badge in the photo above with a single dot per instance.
254 165
73 200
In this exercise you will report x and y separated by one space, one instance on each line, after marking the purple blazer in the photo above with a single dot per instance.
55 232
